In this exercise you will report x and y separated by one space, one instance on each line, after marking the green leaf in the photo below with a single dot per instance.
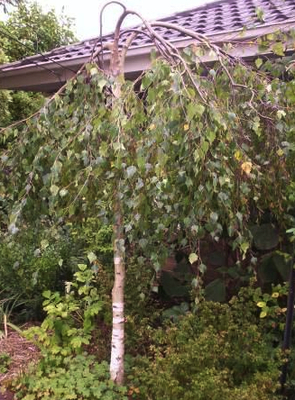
91 257
63 192
193 257
195 109
82 267
278 48
215 291
258 62
260 14
44 244
77 342
261 304
265 236
103 149
46 294
102 83
54 189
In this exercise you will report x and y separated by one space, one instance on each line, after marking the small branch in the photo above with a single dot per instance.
80 70
196 86
128 43
101 25
47 103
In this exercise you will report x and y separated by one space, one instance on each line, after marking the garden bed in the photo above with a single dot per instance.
20 354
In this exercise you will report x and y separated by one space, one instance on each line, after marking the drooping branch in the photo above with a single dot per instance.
165 47
59 92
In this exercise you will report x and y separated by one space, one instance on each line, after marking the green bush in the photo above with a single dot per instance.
79 377
95 237
33 261
218 353
45 257
70 318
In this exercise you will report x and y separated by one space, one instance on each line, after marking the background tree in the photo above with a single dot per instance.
28 31
5 3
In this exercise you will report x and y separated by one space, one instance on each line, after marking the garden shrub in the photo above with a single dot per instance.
70 318
33 261
45 257
95 237
217 353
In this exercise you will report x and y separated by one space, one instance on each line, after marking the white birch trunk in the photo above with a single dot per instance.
118 349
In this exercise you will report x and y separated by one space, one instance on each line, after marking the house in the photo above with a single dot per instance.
235 22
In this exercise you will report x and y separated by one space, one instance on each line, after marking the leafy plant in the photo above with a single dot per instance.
269 303
5 361
33 261
176 312
7 307
70 318
73 377
216 353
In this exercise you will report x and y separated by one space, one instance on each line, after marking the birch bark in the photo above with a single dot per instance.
117 350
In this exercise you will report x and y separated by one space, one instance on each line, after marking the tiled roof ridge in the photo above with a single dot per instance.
202 7
167 18
220 17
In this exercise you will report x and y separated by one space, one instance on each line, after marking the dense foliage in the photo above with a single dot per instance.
189 159
77 377
28 31
217 351
220 352
34 261
188 170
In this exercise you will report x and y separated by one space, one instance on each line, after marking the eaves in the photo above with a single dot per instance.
47 76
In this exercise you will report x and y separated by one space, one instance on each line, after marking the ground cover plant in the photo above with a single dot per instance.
186 155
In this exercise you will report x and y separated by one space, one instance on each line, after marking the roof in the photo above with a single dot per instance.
221 21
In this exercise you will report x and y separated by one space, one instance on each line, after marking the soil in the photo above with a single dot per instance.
21 353
6 395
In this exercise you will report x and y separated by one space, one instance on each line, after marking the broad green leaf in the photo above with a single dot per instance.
82 267
258 62
46 294
91 257
215 291
195 109
261 304
265 236
278 48
54 189
193 257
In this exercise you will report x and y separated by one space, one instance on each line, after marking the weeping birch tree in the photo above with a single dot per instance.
184 152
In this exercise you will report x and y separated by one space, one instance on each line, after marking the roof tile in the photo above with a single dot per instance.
214 18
